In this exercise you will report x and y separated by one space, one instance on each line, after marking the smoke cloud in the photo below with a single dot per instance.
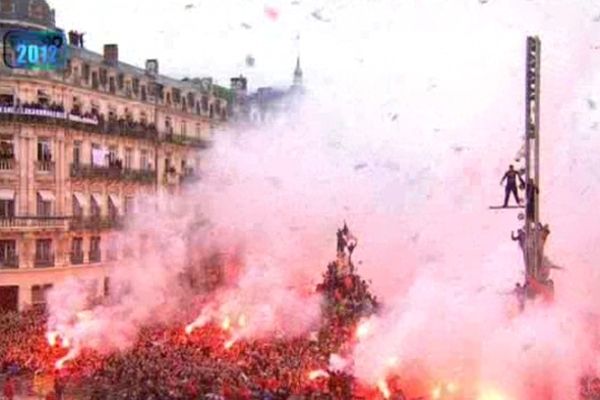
412 114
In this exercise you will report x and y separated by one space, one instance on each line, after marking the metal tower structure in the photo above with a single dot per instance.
532 152
537 268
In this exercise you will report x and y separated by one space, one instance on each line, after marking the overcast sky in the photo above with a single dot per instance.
214 37
199 38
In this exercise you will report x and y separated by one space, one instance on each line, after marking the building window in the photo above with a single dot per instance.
7 6
44 150
205 103
95 249
113 157
44 204
144 160
128 158
39 295
85 72
76 109
198 130
98 155
106 286
77 251
191 99
176 95
143 118
183 128
77 153
8 254
111 85
43 253
39 10
113 207
168 125
77 206
7 154
7 204
128 207
103 76
136 86
95 82
95 208
121 81
144 94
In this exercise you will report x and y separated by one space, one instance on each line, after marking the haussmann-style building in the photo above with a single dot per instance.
79 148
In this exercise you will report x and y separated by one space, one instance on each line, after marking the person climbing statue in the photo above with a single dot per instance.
531 192
511 184
341 242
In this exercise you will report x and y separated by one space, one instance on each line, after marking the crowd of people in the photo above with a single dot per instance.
167 363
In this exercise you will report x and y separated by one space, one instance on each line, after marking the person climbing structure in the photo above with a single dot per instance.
511 185
531 192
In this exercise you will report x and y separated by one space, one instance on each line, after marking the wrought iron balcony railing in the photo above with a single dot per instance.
77 257
97 223
95 256
80 171
199 143
44 260
10 261
45 166
89 123
33 222
7 164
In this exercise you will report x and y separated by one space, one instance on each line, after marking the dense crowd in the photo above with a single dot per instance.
167 363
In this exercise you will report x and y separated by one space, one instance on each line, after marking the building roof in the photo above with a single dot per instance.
30 13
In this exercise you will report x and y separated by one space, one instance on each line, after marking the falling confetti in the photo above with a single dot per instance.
271 13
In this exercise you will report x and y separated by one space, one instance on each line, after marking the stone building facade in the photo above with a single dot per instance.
79 149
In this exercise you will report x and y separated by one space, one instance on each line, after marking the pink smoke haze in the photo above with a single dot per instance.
413 113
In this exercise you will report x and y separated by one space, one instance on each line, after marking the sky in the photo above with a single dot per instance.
201 38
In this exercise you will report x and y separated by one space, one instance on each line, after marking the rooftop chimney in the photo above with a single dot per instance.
111 54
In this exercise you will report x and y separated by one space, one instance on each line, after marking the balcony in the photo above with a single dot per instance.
33 223
96 223
198 143
95 256
44 166
80 171
44 260
94 123
171 178
7 164
10 261
190 178
77 258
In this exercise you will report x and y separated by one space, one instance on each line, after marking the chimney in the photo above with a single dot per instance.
111 54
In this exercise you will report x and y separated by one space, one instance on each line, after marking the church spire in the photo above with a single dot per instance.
298 73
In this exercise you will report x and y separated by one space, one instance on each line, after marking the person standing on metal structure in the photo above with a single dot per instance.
511 185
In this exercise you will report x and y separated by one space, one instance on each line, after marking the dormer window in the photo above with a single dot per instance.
7 6
38 9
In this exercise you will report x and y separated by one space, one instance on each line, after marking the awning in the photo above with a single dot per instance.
80 199
46 195
7 91
116 200
7 194
97 198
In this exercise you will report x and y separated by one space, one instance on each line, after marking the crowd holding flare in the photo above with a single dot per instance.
319 373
